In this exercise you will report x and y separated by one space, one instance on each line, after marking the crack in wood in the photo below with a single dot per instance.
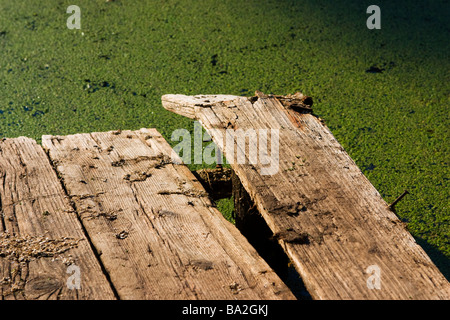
137 176
2 213
26 248
189 193
292 236
160 161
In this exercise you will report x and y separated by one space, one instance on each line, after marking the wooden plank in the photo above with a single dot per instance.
331 221
155 229
41 240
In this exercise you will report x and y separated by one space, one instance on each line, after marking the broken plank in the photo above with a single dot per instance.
156 231
42 245
333 224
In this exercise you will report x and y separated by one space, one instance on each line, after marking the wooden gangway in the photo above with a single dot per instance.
342 237
113 211
117 215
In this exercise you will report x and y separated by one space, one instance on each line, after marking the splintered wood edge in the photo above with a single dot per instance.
185 105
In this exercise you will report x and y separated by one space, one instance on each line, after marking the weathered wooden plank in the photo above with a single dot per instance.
331 221
41 240
155 229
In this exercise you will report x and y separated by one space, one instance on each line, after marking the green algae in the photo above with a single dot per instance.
383 93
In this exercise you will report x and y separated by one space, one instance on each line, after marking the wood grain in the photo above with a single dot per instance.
40 235
152 224
331 221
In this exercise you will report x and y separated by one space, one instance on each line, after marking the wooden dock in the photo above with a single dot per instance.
110 216
117 215
340 234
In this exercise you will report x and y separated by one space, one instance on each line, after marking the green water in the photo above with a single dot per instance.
111 73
